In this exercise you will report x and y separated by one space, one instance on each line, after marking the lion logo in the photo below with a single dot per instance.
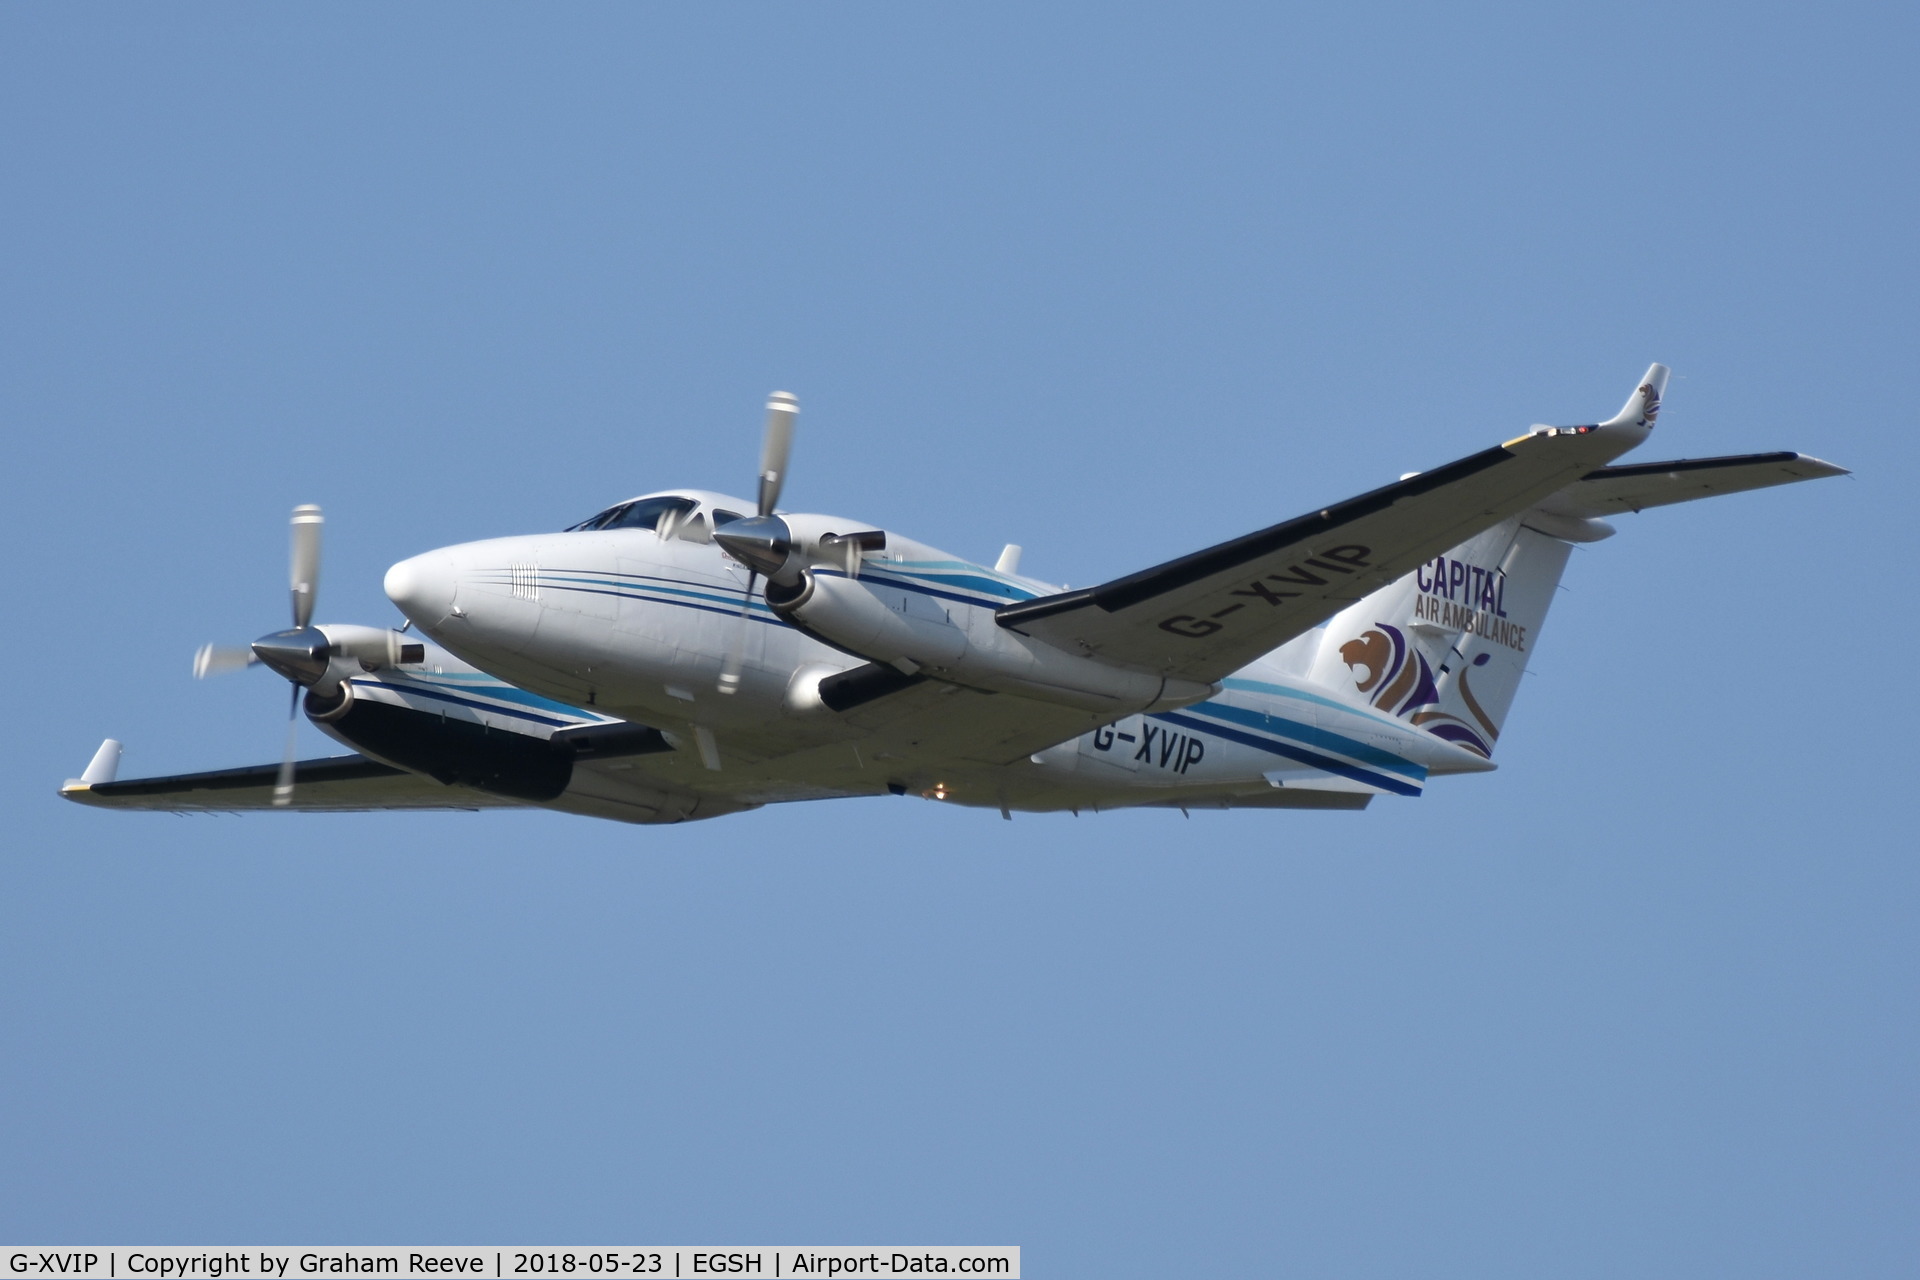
1397 679
1388 669
1368 658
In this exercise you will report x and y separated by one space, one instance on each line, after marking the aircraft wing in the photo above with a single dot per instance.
343 784
1610 491
1208 614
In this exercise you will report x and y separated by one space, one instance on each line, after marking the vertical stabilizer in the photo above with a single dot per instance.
1444 647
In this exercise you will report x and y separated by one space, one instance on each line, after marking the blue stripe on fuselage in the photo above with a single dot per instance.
1281 690
969 578
1313 736
726 610
892 576
1313 759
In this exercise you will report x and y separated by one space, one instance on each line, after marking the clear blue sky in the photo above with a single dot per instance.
1112 282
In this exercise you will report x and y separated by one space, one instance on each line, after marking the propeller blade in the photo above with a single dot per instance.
283 785
782 409
217 659
306 562
737 651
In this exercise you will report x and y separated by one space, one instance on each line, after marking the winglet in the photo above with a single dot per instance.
103 768
1633 423
1643 406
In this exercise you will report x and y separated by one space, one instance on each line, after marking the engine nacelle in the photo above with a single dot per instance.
371 647
319 658
848 614
464 751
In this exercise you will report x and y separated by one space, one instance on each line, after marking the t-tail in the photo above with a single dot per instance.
1443 648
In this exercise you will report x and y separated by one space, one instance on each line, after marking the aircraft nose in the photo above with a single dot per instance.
422 588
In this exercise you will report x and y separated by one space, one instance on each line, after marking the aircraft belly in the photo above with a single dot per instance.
620 790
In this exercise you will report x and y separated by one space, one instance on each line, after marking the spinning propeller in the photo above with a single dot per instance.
304 654
301 654
764 542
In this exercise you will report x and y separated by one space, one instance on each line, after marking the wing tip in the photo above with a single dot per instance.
1820 468
103 768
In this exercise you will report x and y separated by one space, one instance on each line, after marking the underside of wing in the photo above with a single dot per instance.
946 722
1617 490
915 733
1206 615
343 784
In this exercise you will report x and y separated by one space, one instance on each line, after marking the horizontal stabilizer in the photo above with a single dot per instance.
1616 490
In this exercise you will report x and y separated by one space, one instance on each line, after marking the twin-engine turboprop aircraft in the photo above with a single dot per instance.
687 654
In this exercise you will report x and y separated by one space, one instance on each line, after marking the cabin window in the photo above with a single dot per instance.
642 513
725 518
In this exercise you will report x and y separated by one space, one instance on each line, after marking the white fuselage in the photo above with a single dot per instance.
628 624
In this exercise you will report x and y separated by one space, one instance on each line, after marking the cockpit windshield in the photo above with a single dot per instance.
641 513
